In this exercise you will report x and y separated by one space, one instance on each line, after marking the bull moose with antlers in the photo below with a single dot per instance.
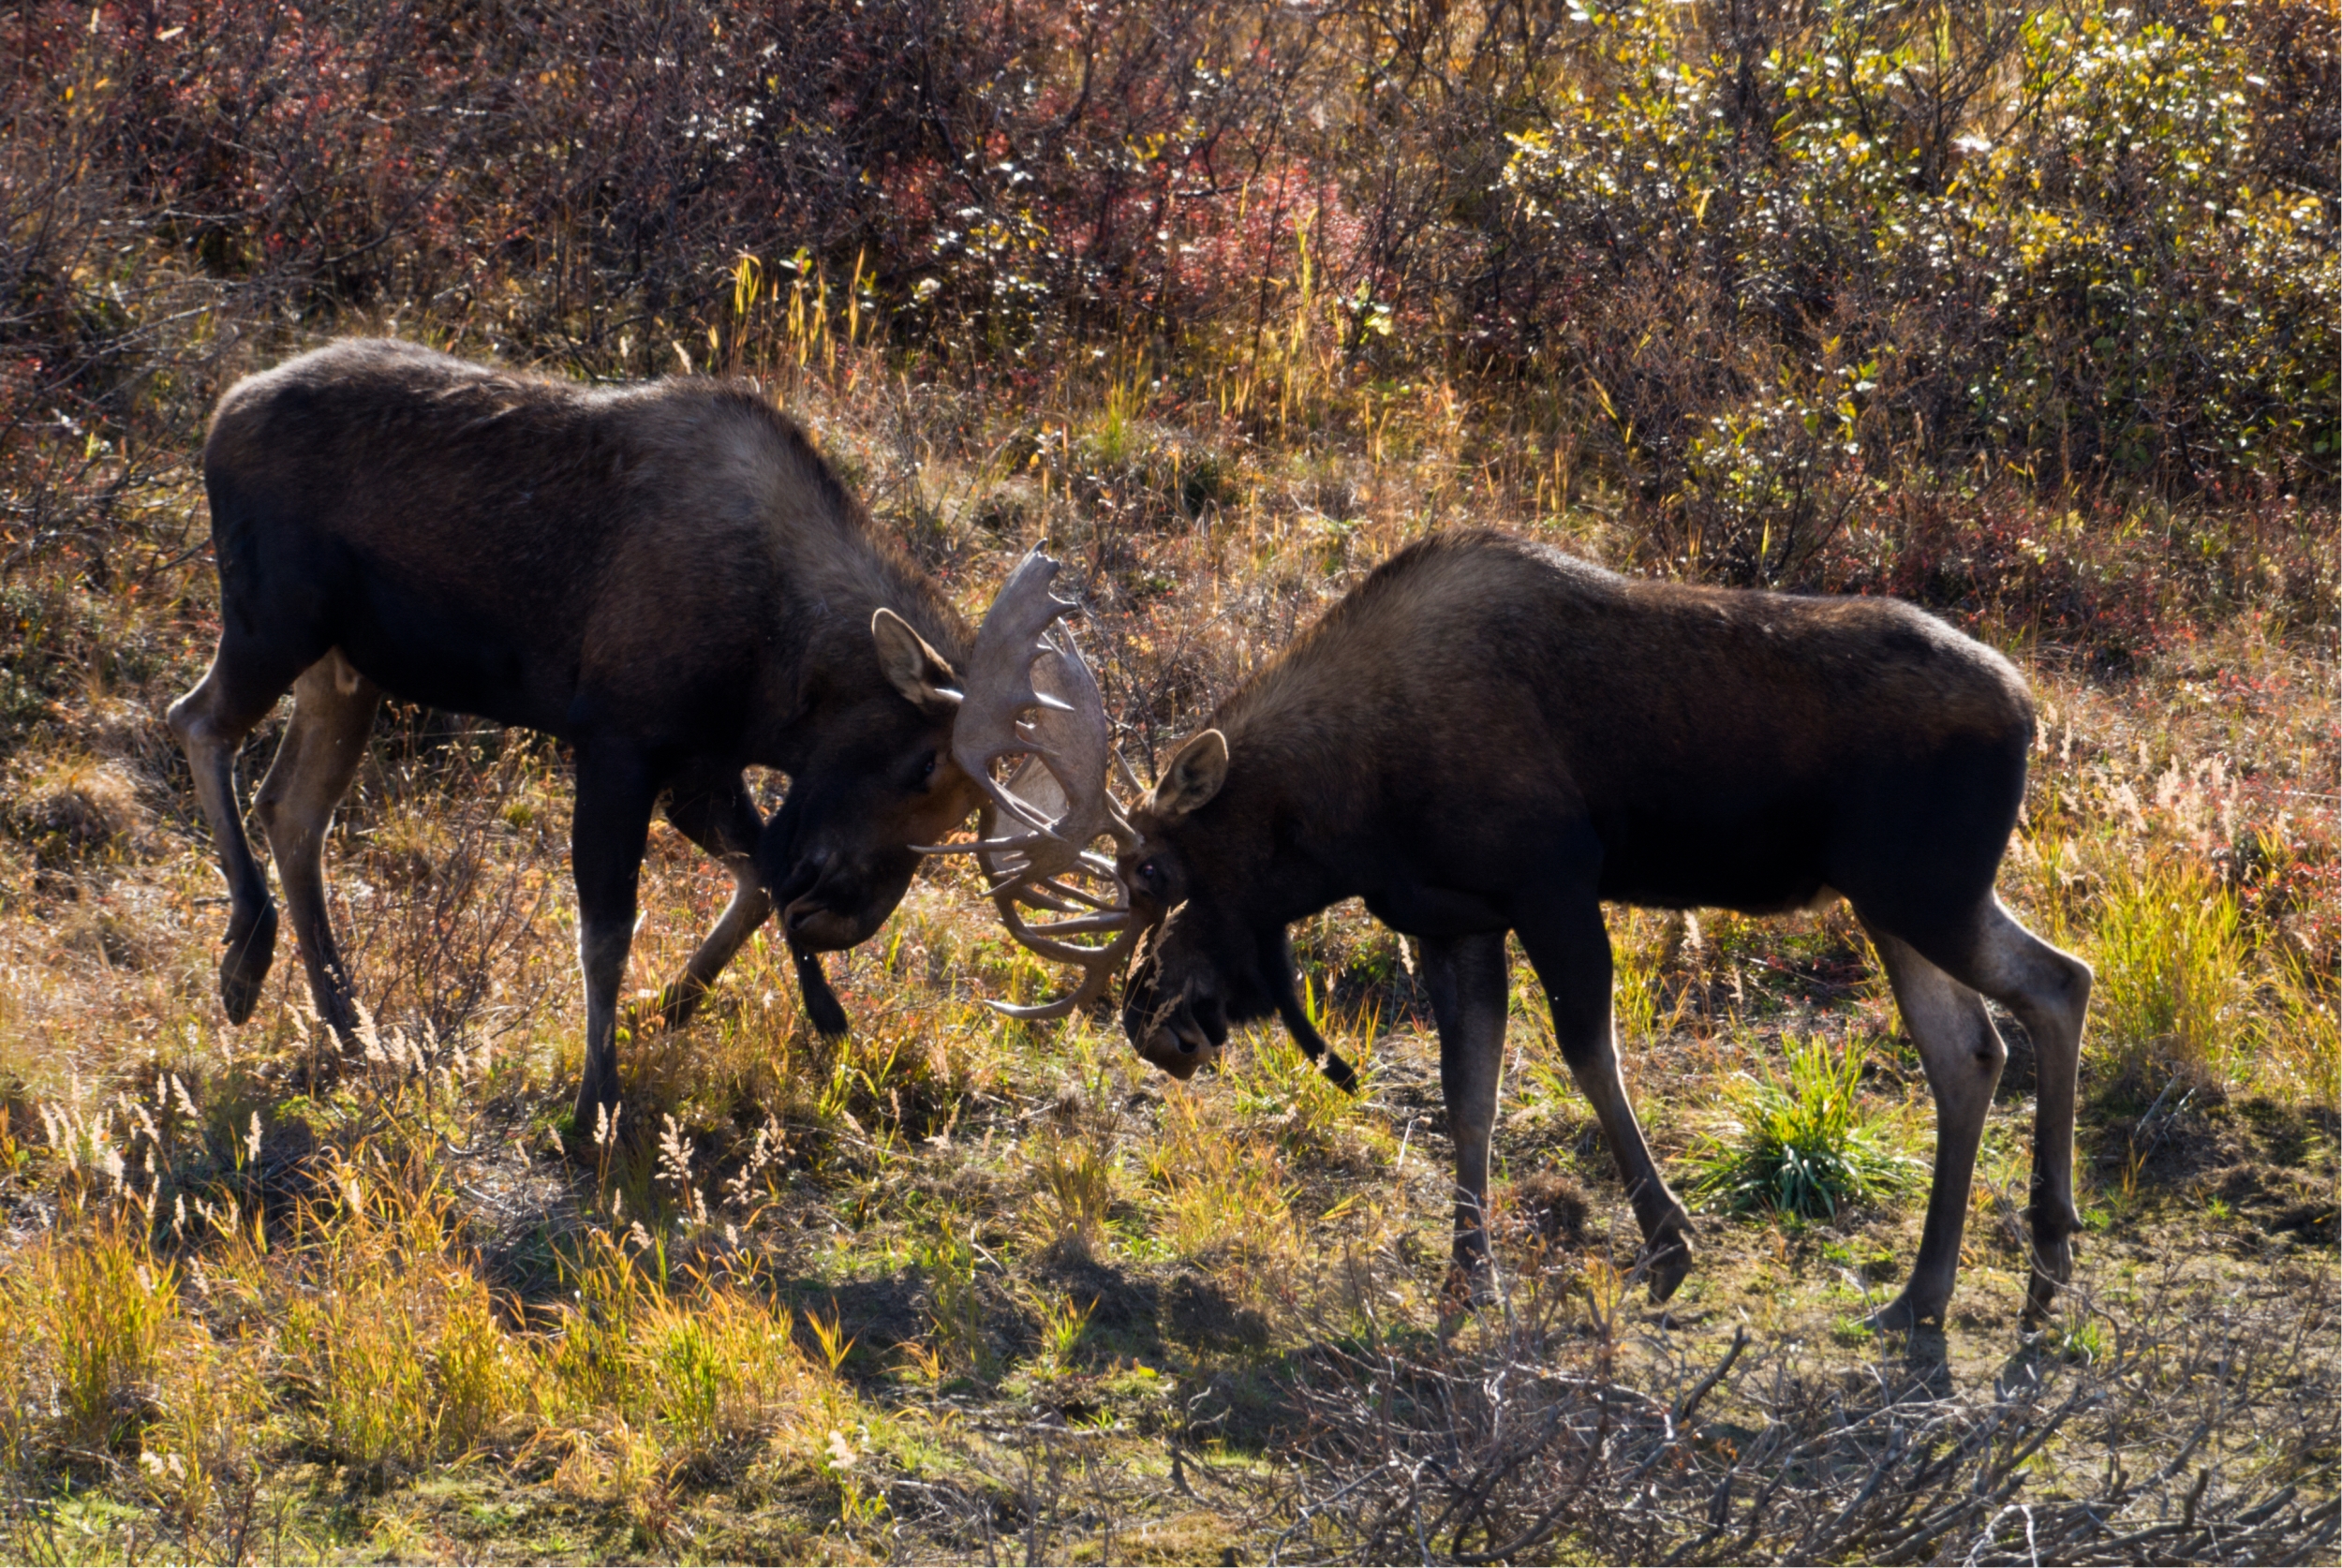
1487 736
669 577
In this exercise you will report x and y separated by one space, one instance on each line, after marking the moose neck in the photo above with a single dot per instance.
1306 820
1322 778
834 574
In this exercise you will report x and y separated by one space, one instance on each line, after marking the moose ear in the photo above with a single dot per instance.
1194 776
924 679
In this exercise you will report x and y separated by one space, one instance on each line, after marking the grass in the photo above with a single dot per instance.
1802 1144
108 1306
2171 989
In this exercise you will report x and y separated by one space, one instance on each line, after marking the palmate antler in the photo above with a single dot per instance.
1028 694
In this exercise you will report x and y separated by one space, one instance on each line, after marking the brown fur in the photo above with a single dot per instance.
577 531
1616 686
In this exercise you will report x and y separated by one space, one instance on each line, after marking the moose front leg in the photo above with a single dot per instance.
1470 990
821 1003
614 794
710 804
1571 952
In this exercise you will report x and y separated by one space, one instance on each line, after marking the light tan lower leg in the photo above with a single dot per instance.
333 708
748 908
2049 991
1963 1055
210 727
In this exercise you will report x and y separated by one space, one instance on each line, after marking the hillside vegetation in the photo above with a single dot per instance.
2024 311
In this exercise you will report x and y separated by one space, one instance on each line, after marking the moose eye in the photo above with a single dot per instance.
926 767
1151 873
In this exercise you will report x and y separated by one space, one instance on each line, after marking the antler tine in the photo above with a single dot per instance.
1000 679
1030 692
1099 970
1073 741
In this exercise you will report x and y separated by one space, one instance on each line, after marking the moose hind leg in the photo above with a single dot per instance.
712 807
1469 986
333 708
1963 1055
210 722
2049 991
1571 951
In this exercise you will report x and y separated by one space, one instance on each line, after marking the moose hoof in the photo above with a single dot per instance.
1904 1314
592 1118
245 965
677 1002
2052 1265
1470 1288
1665 1260
341 1016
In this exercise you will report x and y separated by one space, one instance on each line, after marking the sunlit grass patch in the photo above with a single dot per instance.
99 1309
678 1376
2298 1037
1277 1085
2169 1001
1802 1144
727 1373
955 1307
1224 1190
1075 1164
204 1449
398 1343
1645 948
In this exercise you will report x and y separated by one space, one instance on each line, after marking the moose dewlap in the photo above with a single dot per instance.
1489 736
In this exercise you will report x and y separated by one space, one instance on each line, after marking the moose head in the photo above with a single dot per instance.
1030 697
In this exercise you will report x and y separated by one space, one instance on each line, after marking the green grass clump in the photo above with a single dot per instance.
1804 1147
2169 997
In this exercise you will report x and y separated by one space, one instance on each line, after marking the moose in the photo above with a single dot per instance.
669 577
1489 736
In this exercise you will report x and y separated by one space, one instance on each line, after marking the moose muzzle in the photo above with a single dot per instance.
1179 1047
828 902
1178 1030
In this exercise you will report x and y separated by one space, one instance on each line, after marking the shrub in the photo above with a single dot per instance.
1794 250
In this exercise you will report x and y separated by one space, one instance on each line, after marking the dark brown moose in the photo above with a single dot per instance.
1490 736
666 576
